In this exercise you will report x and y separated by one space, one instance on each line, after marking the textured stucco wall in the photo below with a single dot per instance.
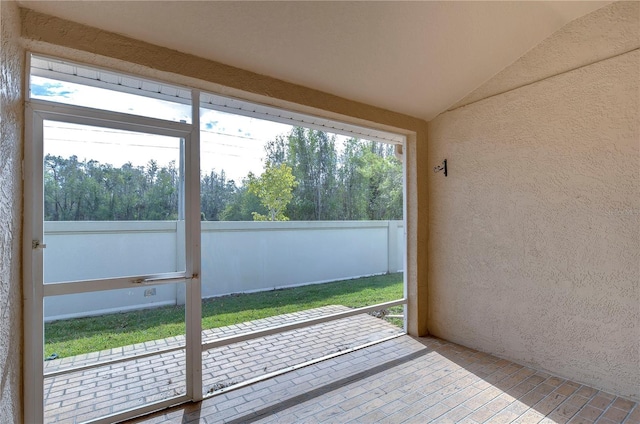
604 33
534 237
11 118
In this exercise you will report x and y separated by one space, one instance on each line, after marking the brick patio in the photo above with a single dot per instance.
96 392
407 380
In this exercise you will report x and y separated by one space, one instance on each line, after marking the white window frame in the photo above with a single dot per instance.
36 111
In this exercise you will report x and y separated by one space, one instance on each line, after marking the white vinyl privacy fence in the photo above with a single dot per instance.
237 257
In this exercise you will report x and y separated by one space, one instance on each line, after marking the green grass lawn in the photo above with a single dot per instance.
84 335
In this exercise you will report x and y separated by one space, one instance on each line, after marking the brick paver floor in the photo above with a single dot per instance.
96 392
409 380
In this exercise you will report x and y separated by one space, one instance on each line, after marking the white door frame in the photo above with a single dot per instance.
35 290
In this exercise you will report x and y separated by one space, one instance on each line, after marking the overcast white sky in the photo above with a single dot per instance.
228 142
236 154
231 142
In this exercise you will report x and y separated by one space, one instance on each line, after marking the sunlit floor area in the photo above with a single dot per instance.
92 393
407 380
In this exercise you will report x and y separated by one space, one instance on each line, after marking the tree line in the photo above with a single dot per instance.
362 180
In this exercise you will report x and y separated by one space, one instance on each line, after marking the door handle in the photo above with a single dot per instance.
35 244
163 280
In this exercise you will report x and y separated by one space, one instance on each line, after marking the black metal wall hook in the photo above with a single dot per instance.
442 167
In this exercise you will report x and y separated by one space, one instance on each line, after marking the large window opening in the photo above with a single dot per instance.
185 244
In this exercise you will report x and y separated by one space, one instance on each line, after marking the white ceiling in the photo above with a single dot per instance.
416 58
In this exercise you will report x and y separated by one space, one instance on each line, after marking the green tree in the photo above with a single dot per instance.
90 191
312 156
70 191
382 177
161 197
242 205
352 188
362 181
358 180
216 192
274 189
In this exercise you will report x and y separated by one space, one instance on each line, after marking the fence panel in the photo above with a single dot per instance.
236 257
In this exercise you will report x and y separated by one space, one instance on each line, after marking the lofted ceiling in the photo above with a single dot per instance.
416 58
